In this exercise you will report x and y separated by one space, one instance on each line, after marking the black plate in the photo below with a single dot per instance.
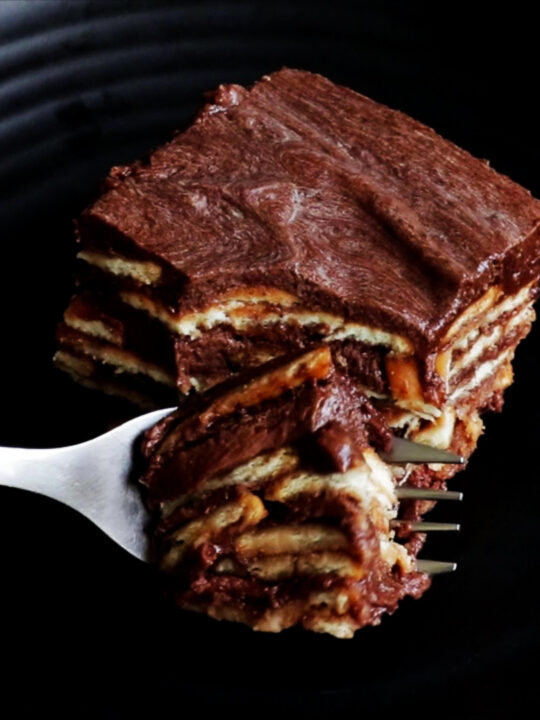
84 86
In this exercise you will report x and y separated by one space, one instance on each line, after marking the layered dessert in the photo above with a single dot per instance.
273 507
298 217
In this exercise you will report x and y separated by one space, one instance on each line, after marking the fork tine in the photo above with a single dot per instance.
406 493
403 451
435 567
427 526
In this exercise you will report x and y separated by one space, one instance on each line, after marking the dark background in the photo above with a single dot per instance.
85 85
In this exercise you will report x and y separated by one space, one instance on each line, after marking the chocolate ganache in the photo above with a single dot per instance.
305 186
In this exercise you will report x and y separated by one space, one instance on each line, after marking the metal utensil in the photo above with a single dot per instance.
92 477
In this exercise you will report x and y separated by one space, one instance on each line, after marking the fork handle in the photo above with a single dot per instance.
51 472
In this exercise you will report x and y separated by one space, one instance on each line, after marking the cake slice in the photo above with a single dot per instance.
272 505
297 212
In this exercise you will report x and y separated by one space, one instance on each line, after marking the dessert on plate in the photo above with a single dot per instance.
298 214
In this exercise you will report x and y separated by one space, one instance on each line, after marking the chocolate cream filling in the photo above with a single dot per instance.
186 449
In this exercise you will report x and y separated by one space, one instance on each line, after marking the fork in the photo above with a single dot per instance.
95 478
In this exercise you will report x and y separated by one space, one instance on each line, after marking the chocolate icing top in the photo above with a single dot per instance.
304 185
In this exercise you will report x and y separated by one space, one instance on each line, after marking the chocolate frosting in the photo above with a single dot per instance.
301 184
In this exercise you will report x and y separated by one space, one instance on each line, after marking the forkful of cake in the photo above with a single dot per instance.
284 472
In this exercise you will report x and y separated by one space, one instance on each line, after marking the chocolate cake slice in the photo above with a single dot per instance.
273 507
297 212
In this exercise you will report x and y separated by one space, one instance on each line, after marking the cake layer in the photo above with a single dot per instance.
280 521
139 390
220 352
110 354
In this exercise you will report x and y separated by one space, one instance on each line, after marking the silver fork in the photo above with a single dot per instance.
94 478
